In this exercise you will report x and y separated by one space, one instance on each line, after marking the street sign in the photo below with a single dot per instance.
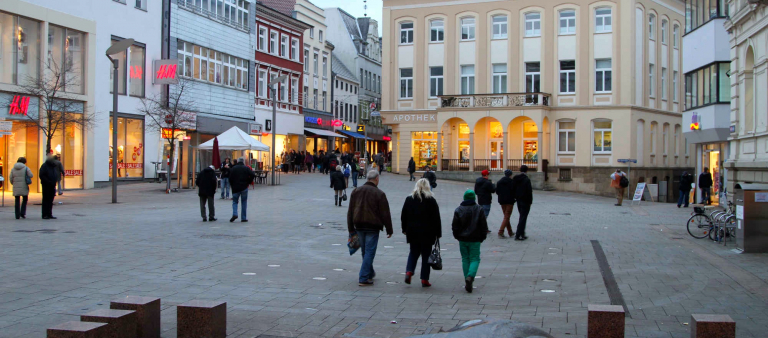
360 128
626 160
6 125
375 113
372 106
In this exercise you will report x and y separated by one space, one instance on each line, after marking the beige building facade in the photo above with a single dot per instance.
566 88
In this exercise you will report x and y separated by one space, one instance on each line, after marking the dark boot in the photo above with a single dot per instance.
468 284
336 200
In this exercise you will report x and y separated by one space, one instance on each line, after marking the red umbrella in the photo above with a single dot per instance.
216 157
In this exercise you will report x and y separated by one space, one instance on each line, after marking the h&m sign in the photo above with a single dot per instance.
165 72
19 105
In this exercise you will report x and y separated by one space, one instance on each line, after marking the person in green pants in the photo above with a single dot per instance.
470 228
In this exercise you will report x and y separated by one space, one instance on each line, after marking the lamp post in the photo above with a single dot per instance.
365 142
116 48
273 88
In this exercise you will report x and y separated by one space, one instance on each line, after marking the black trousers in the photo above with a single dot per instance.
49 193
523 209
21 206
420 248
211 209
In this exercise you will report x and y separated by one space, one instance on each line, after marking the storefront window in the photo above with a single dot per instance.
23 142
19 49
496 130
66 49
130 147
424 149
67 142
463 130
530 140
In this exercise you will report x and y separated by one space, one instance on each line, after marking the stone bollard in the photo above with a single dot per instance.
201 318
122 323
605 321
712 326
78 330
147 314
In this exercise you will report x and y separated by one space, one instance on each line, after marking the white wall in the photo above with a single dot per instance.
706 44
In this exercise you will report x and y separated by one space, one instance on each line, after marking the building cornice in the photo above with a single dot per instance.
288 21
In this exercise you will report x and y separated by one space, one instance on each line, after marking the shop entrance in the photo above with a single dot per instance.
23 142
711 160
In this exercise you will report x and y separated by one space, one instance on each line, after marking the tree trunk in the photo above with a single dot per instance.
170 168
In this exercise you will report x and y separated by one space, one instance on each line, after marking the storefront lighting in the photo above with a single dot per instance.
58 149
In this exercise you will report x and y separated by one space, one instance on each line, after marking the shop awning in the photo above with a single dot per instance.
320 132
354 135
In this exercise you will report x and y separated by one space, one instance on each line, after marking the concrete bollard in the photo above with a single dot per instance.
122 323
712 326
201 318
147 314
78 330
605 321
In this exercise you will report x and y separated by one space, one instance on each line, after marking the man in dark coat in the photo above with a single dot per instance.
49 175
368 214
60 172
685 188
506 194
380 162
411 169
430 176
524 197
484 190
240 177
326 163
206 184
705 184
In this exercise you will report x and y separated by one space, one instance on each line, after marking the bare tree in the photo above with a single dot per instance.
170 115
60 107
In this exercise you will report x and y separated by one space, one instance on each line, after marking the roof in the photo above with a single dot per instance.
363 23
351 24
282 6
341 70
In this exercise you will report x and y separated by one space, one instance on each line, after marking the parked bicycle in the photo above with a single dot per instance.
700 224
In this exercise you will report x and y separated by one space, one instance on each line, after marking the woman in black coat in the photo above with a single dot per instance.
338 184
411 169
420 219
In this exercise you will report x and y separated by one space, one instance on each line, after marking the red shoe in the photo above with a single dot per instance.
408 276
425 283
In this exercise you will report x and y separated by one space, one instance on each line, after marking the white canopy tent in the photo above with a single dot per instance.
235 139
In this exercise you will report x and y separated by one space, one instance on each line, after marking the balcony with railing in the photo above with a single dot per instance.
495 100
488 164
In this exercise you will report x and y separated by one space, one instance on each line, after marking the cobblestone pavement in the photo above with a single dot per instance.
288 273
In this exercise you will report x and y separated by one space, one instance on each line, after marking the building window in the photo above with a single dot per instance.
566 137
208 65
306 60
568 77
467 29
121 73
603 20
699 12
436 31
325 96
533 24
500 27
567 22
294 91
602 135
652 27
262 45
273 42
294 50
663 83
354 117
136 61
532 81
603 76
336 109
708 85
284 46
406 33
406 83
130 147
305 95
664 32
314 98
311 32
665 138
499 78
654 125
651 83
66 54
320 35
674 86
325 66
262 85
435 81
141 4
468 80
314 63
675 34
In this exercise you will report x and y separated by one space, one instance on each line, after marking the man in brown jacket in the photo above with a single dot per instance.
368 215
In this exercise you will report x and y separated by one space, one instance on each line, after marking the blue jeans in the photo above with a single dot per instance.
243 196
225 186
486 209
354 179
61 191
369 240
683 197
705 195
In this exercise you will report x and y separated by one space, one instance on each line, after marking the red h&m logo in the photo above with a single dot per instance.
136 72
166 72
19 105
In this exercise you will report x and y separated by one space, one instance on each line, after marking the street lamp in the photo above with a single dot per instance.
272 83
365 142
116 48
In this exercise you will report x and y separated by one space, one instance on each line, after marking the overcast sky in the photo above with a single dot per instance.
354 7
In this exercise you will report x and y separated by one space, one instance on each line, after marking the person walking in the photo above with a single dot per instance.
225 166
524 198
411 169
421 224
685 188
309 160
368 215
430 176
60 175
705 184
48 178
355 171
470 228
346 170
506 195
19 175
326 163
380 162
616 184
206 184
484 190
338 185
240 177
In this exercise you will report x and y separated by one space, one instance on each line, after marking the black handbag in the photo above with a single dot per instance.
344 197
435 261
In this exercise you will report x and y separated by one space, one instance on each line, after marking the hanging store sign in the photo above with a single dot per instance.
165 72
256 129
268 125
360 128
337 123
168 132
19 105
695 122
386 138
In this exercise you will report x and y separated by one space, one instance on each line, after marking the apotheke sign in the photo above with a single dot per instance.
412 118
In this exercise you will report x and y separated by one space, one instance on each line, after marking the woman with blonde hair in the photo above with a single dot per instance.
422 227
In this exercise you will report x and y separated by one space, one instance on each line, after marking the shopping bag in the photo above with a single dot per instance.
353 243
435 261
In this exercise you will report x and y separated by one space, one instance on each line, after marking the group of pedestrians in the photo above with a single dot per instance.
509 190
238 177
50 174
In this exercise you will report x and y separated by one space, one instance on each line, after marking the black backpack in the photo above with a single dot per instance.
623 182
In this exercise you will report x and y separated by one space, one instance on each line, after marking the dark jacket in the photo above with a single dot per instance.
411 166
206 182
522 188
59 170
505 191
705 180
337 181
369 210
685 182
430 176
484 190
240 177
469 223
225 170
48 172
420 219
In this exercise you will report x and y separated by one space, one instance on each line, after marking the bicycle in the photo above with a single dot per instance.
724 226
700 224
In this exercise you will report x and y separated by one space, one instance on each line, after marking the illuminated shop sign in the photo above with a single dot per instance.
19 105
695 122
313 120
387 138
165 72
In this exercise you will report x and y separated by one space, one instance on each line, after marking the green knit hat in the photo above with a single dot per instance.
469 195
